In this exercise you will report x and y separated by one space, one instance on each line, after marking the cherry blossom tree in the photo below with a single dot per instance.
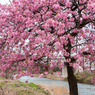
34 32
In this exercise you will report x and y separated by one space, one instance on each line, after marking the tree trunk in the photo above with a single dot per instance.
72 81
73 89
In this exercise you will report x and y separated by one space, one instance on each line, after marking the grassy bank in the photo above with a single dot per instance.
13 87
84 78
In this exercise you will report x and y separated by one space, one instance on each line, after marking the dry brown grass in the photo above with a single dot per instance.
55 89
51 76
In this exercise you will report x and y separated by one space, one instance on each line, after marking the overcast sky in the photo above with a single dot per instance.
4 1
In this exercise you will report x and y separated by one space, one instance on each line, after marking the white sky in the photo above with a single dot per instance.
4 1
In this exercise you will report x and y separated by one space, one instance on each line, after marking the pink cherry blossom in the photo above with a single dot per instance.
40 35
57 45
41 75
68 3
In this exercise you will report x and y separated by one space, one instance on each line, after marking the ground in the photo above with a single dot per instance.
15 87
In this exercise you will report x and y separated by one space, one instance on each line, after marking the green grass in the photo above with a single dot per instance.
25 92
22 84
34 86
29 88
2 84
1 77
19 84
37 88
45 92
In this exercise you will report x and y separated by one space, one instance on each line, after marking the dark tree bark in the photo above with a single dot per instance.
73 89
72 81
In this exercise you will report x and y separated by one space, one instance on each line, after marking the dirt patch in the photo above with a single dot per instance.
55 89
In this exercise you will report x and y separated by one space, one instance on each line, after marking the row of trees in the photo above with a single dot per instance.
34 32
